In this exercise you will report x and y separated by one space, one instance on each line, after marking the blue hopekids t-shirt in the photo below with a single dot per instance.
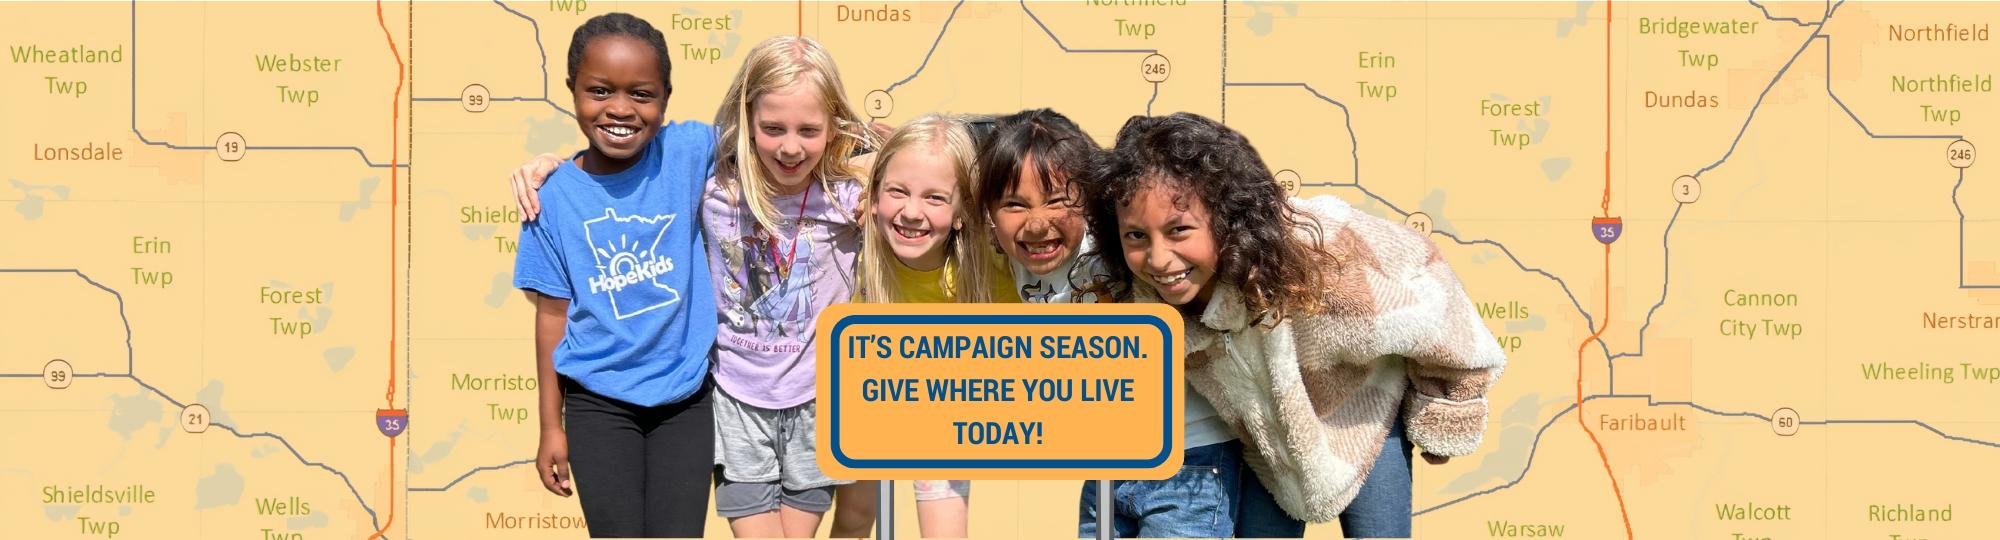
626 250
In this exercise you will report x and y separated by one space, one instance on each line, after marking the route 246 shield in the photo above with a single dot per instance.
392 422
1607 229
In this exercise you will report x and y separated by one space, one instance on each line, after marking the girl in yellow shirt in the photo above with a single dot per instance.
917 248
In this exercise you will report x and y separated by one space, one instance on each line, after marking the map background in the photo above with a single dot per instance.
1801 199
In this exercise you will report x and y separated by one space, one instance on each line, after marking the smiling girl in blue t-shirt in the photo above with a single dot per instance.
624 307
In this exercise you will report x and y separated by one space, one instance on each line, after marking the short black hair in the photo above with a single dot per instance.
1057 146
620 24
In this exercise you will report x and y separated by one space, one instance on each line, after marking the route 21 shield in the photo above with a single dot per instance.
392 422
1606 229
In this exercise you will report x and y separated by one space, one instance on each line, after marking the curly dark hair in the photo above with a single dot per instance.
620 24
1281 272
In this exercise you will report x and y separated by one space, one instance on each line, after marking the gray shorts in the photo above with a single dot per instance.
738 499
773 446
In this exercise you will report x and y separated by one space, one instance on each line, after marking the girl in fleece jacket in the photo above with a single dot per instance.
1331 340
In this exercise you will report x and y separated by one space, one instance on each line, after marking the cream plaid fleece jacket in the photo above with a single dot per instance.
1312 397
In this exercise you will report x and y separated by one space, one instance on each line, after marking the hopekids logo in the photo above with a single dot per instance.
626 249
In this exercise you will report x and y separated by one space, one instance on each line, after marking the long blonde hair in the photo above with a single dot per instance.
771 66
968 251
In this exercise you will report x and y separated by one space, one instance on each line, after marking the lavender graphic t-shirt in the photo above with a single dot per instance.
770 286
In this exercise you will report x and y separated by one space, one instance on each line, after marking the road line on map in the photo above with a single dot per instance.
1605 206
395 147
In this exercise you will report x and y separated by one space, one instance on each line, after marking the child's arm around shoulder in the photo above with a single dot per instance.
844 199
527 180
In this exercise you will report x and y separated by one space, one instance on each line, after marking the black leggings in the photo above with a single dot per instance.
640 471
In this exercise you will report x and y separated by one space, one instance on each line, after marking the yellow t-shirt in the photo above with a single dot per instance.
925 287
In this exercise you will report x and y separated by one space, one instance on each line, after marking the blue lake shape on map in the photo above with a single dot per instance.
222 488
61 512
211 396
1501 457
347 209
337 357
128 414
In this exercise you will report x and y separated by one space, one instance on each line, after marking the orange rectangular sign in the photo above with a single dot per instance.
999 391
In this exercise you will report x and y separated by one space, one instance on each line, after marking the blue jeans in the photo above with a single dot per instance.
1380 510
1258 514
1199 502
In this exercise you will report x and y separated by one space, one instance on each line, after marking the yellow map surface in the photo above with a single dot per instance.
232 233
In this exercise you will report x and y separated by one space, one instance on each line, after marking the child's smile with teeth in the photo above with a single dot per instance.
917 196
1039 229
1171 279
911 233
619 131
790 133
1041 248
1165 235
620 97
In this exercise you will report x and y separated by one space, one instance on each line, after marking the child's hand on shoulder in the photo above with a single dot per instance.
528 178
866 161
